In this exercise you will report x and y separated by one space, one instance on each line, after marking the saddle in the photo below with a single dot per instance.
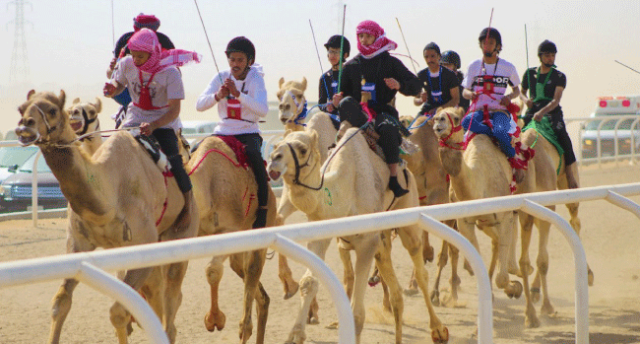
151 145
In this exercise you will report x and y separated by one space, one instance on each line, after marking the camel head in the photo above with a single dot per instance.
83 117
292 100
44 119
295 157
447 124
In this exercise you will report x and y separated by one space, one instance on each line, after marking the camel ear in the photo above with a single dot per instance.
459 112
280 82
430 122
30 94
279 94
304 84
61 99
314 138
76 101
98 105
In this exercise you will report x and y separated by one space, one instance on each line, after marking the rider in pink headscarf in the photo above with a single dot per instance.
381 44
146 40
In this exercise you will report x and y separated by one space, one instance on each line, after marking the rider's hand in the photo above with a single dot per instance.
423 96
538 116
231 86
529 103
112 64
109 89
223 92
392 83
330 107
505 101
147 128
335 101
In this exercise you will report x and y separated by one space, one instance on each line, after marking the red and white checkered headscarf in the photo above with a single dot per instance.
381 44
146 40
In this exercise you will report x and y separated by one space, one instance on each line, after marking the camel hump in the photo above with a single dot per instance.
228 147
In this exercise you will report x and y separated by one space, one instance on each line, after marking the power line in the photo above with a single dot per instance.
19 71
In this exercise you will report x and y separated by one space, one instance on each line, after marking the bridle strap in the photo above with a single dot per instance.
454 129
299 167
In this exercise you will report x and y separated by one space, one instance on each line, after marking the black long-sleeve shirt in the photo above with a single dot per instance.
165 42
375 70
327 87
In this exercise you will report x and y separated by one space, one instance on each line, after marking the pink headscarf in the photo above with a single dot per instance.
381 44
146 40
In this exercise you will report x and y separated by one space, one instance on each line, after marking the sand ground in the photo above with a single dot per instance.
611 238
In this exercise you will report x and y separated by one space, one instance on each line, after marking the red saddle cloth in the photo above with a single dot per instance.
238 149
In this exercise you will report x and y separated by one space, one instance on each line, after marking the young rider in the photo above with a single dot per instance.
378 74
451 60
156 91
121 50
441 85
486 85
329 80
242 100
546 85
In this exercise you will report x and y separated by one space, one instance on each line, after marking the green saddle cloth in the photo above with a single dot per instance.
544 128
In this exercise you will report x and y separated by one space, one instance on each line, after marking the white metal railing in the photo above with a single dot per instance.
280 238
634 134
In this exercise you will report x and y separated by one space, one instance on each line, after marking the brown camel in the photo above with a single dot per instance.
109 198
546 173
83 117
353 170
477 172
225 192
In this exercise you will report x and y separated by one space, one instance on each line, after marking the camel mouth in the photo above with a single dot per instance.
76 124
274 175
27 136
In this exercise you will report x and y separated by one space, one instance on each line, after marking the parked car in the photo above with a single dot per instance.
13 157
607 107
15 190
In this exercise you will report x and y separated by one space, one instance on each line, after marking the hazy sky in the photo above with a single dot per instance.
70 42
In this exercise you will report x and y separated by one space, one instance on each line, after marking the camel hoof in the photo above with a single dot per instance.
531 322
333 326
374 280
411 292
428 253
515 291
548 310
313 321
535 295
290 291
435 298
245 332
467 267
215 324
591 278
129 329
440 336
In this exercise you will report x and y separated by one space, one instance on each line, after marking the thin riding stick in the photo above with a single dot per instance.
113 29
406 45
209 42
344 14
526 45
627 66
315 44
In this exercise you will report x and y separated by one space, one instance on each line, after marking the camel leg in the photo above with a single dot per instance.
410 237
249 267
173 276
348 274
526 222
365 252
466 227
543 266
63 299
443 257
119 316
513 265
504 236
215 319
285 209
308 290
455 278
573 212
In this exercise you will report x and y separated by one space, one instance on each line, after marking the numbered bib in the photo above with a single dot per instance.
234 109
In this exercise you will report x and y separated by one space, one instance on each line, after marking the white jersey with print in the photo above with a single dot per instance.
253 102
166 85
503 74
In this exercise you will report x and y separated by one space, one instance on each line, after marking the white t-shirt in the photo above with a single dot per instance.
253 102
503 74
166 84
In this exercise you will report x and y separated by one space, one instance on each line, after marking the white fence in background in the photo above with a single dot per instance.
87 266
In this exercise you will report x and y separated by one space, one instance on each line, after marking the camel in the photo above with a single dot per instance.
83 118
479 171
546 173
353 169
109 193
292 99
225 192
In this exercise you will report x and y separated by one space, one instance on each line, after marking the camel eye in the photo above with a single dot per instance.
52 112
303 151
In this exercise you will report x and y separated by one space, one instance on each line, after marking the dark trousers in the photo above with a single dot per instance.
384 124
560 129
253 143
169 143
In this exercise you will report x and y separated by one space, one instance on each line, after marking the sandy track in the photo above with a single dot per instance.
611 238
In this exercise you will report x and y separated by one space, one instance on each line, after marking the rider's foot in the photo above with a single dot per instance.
394 186
261 218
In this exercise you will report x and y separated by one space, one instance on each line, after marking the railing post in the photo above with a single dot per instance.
293 250
623 202
580 261
485 299
34 189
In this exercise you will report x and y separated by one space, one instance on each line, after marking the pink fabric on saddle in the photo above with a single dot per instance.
381 44
146 40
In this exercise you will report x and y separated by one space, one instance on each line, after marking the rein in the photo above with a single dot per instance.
301 110
443 142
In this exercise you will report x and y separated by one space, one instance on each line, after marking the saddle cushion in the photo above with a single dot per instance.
152 147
